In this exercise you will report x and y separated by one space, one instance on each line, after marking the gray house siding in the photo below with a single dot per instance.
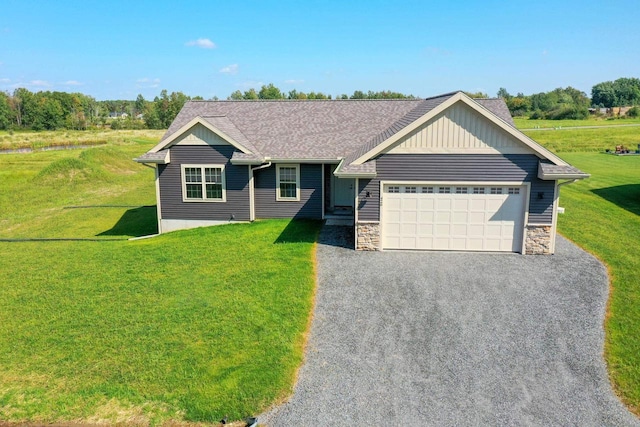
310 204
237 185
458 167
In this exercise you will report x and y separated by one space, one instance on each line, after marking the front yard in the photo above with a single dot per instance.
193 325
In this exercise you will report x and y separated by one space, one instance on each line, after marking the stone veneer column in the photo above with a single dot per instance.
368 236
538 240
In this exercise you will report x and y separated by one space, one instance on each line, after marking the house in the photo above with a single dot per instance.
442 173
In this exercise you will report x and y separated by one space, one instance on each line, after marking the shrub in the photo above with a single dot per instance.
633 112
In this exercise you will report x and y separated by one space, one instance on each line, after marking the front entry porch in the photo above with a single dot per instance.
339 198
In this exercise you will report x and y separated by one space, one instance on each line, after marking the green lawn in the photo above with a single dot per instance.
603 216
191 325
526 123
587 140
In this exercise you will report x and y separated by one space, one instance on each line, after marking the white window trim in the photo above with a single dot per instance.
288 199
204 190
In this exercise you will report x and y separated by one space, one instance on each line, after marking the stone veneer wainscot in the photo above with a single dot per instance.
368 236
538 240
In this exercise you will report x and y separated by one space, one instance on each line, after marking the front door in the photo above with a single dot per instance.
344 192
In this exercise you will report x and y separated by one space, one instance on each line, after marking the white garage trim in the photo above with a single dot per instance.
519 213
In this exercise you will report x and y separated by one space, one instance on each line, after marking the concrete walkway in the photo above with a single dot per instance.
444 339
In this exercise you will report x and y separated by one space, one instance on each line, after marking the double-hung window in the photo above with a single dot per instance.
203 183
288 182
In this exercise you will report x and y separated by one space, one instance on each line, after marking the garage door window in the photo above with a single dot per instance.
496 190
427 190
444 190
462 190
478 190
514 190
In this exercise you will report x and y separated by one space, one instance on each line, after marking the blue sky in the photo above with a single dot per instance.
118 49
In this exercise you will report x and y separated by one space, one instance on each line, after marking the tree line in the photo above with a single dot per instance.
571 103
49 110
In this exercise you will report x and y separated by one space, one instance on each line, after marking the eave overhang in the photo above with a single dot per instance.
551 172
158 158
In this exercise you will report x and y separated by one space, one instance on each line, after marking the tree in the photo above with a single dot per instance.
6 114
235 95
502 93
140 104
476 94
270 92
50 115
250 94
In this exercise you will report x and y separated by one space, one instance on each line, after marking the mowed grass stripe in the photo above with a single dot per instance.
202 323
191 325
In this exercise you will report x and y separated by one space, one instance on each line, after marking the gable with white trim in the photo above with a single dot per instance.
199 135
459 129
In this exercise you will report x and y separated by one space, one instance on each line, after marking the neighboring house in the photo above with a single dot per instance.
442 173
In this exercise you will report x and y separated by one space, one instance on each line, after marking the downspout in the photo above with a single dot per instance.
571 181
252 202
157 182
556 203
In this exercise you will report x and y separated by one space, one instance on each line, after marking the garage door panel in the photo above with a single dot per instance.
459 220
460 217
460 203
442 202
426 204
459 230
425 216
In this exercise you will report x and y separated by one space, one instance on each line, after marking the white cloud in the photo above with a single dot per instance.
203 43
5 80
230 69
146 82
39 83
294 81
72 83
545 52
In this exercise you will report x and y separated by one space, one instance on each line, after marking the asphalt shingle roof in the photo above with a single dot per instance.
565 170
314 129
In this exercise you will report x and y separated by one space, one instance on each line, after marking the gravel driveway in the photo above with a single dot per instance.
442 339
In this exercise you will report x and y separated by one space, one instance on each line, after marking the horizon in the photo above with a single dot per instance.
117 50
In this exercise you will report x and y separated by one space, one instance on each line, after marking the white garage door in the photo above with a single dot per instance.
453 217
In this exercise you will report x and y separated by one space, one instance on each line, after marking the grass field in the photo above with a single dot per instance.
192 325
525 123
176 328
37 140
587 140
603 216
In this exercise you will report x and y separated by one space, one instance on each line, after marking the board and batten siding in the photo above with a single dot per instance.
459 129
236 178
310 204
458 168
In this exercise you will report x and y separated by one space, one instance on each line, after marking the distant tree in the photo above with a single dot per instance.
477 94
235 95
6 115
294 94
627 91
151 118
502 93
176 102
140 104
634 112
250 94
319 95
270 92
358 94
50 115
